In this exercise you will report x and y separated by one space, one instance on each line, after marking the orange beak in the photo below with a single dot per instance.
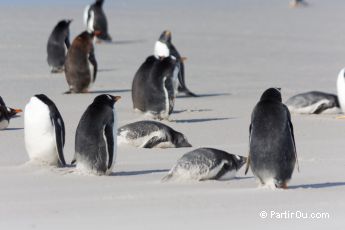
116 98
18 110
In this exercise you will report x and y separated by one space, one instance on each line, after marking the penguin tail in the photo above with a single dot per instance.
167 177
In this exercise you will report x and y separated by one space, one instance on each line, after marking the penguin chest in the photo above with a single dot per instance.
39 133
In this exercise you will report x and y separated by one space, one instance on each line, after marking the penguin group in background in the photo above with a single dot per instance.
206 164
313 102
95 145
151 134
154 87
44 131
164 48
81 64
95 20
58 44
6 113
272 149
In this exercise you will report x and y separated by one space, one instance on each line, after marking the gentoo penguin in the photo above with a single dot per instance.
6 113
151 134
58 44
154 87
44 131
313 102
206 164
81 64
165 48
95 20
298 3
272 150
341 89
95 145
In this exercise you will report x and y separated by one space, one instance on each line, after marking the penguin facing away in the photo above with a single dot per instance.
206 164
272 150
81 65
313 102
95 20
154 87
164 48
95 145
57 46
6 113
151 134
44 131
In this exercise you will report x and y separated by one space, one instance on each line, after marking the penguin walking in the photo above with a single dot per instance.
206 164
272 150
151 134
164 48
95 145
154 87
58 44
44 131
314 102
95 20
81 64
6 113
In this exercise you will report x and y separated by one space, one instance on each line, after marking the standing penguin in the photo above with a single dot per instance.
272 150
6 113
44 131
165 48
58 44
95 20
95 145
81 64
154 87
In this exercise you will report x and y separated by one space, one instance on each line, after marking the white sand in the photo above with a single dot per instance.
235 50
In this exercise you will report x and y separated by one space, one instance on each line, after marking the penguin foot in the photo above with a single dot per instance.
341 117
57 70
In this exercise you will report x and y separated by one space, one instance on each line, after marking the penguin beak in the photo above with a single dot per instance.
183 59
18 110
116 98
69 21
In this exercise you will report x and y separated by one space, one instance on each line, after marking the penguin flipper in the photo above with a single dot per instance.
293 140
152 142
60 138
108 132
225 168
93 61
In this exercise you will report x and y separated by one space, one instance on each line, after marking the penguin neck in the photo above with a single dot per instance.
161 50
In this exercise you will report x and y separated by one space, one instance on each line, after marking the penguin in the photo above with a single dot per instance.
95 20
6 113
341 89
151 134
272 149
81 65
164 48
154 87
95 145
206 164
44 131
58 44
313 102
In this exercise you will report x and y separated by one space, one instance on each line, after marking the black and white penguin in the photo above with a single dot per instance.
95 145
81 64
95 20
58 44
44 131
6 113
341 89
313 102
151 134
154 87
206 164
164 48
272 150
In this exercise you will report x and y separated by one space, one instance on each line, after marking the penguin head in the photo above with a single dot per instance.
63 24
106 99
165 37
239 161
99 2
272 94
84 41
179 140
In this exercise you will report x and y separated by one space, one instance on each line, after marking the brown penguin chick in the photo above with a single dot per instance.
80 64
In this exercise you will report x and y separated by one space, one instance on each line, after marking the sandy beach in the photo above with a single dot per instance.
235 50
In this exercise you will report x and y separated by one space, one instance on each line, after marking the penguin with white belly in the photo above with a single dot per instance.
272 151
44 131
6 113
164 48
95 143
154 87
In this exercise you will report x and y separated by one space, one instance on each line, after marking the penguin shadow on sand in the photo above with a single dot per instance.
128 42
318 185
197 120
206 95
105 91
139 172
13 129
